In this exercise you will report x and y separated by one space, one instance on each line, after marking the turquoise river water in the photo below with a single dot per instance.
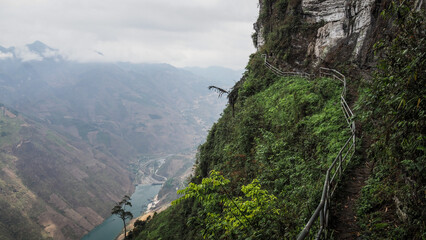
113 225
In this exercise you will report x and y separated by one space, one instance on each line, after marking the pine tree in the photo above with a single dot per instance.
120 210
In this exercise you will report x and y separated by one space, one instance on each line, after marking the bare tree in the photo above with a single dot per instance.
219 90
232 93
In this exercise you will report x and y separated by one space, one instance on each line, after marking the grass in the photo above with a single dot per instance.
9 130
285 132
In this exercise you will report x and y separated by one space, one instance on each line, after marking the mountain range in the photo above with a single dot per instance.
70 132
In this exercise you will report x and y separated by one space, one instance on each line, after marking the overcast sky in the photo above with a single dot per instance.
178 32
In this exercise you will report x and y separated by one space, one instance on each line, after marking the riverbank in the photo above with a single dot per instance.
171 172
112 226
157 179
144 217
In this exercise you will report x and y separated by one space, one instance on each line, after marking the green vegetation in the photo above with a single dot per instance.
226 217
271 153
54 138
9 130
260 173
393 112
282 27
171 224
120 210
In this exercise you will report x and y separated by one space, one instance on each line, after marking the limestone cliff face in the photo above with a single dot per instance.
345 33
344 20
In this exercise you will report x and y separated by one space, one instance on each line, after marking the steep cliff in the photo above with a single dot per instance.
306 34
260 173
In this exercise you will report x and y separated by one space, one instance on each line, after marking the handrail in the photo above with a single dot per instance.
336 168
284 74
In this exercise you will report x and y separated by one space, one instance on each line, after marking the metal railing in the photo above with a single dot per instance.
282 73
339 164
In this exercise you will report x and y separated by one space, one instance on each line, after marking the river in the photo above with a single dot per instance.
112 226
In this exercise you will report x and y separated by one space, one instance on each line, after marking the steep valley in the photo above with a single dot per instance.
322 136
51 185
75 137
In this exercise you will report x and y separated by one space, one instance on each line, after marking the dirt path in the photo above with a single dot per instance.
343 222
343 215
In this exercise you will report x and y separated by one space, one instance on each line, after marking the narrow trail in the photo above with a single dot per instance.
336 169
343 223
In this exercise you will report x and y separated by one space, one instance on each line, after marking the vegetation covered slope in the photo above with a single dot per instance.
284 133
270 148
392 110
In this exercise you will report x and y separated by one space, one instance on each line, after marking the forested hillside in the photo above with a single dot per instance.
260 173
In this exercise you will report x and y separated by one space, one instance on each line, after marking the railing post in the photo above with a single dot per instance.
353 128
344 86
353 134
328 205
326 213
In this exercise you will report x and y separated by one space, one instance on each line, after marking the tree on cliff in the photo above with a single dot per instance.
120 210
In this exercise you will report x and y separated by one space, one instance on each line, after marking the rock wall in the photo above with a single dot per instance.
343 20
348 29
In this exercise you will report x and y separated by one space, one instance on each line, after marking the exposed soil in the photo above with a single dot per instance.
343 219
343 224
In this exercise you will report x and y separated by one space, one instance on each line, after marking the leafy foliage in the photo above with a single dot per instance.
279 137
394 112
227 217
271 155
173 223
120 210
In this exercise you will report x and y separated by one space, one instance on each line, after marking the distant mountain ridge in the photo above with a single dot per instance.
36 51
78 127
118 92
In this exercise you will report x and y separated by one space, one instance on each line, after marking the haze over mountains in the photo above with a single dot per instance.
69 132
145 103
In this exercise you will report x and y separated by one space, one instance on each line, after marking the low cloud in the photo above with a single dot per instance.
49 53
25 54
5 55
182 33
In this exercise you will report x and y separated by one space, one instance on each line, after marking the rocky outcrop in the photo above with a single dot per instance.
346 32
343 20
258 36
